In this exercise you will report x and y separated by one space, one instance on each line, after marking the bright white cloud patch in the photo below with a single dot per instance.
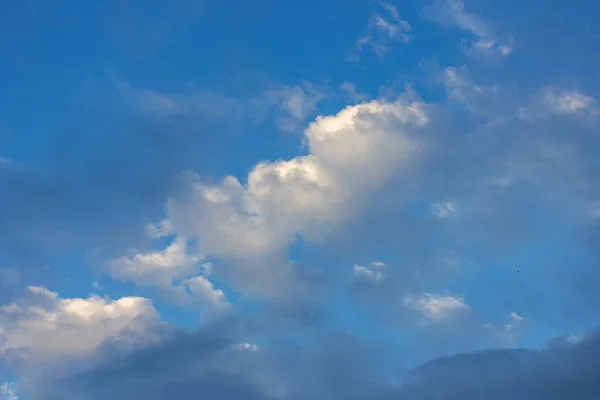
486 42
351 154
436 307
172 270
155 267
42 326
384 28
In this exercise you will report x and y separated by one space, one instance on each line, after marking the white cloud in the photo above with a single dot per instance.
350 154
155 267
383 29
199 290
159 230
293 104
509 332
172 270
444 210
551 101
516 317
436 307
43 327
364 272
247 347
8 391
486 42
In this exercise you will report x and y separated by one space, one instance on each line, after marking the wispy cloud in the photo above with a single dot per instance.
9 391
444 210
289 106
552 101
487 42
384 28
369 273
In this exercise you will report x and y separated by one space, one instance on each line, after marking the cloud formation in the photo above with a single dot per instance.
252 225
42 327
486 43
240 266
550 101
190 364
436 307
383 30
175 272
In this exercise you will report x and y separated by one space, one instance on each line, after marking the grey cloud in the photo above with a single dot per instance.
559 372
99 187
205 365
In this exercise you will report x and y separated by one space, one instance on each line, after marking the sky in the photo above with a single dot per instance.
285 200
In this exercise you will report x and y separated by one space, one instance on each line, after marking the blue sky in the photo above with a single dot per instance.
289 200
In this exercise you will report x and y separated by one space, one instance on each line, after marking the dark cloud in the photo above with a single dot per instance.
562 371
179 367
208 366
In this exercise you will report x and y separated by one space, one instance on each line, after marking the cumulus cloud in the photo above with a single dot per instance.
171 270
199 290
42 327
487 41
369 182
384 28
156 267
351 154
